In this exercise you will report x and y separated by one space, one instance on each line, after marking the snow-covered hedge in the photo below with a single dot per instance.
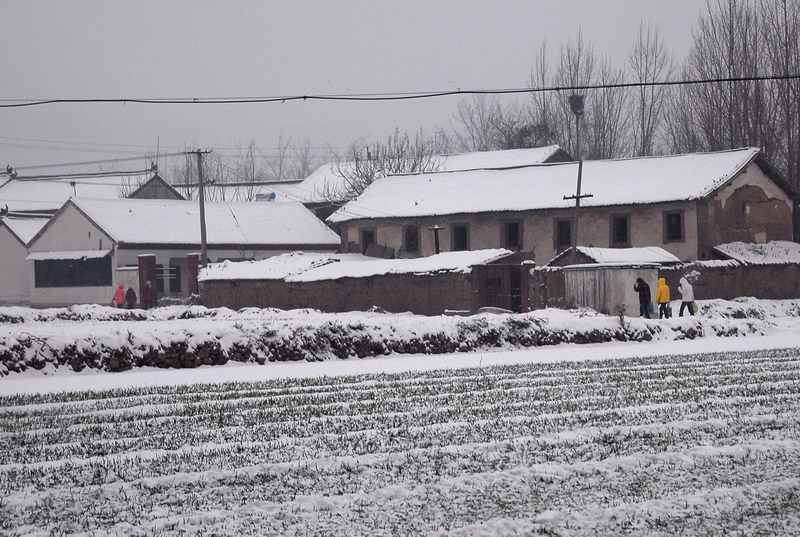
116 340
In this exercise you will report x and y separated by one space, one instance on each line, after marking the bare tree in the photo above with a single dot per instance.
649 62
364 163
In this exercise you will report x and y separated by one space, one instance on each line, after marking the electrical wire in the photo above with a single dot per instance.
384 96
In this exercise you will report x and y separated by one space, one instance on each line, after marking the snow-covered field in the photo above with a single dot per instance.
665 437
691 444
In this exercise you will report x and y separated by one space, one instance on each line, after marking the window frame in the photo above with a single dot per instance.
466 237
612 219
73 273
504 234
558 247
666 215
406 229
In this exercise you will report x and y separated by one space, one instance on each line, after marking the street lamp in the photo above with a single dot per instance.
576 104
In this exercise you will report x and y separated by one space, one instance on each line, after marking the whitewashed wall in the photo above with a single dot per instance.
14 287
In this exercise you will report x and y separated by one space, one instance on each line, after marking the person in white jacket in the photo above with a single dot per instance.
687 296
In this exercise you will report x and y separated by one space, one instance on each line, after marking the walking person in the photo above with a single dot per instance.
687 296
130 298
119 297
643 289
663 299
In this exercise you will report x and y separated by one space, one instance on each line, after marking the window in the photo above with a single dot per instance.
563 235
673 226
512 235
460 237
367 239
72 272
411 239
620 230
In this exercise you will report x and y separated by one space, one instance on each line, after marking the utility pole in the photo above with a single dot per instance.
576 104
202 199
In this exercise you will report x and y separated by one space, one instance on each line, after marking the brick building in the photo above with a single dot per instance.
685 204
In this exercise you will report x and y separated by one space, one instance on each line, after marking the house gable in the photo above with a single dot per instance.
71 229
156 188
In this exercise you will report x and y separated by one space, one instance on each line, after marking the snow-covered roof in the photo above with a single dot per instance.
328 179
306 267
274 268
611 182
48 195
277 191
444 262
646 254
24 228
770 253
178 222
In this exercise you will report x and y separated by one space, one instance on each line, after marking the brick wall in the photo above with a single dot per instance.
425 295
759 281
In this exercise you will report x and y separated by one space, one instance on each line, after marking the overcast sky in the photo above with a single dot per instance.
243 48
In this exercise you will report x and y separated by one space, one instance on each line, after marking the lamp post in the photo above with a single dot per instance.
576 104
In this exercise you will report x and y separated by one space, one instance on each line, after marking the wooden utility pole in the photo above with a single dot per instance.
576 104
202 199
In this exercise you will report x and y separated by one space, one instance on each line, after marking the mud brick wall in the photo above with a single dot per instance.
425 294
759 281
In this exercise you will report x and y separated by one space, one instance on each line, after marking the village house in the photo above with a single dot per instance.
46 196
89 246
326 188
26 204
685 204
15 234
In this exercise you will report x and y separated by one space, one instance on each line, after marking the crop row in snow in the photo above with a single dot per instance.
180 337
692 445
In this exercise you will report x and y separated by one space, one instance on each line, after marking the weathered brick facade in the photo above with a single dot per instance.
425 295
752 208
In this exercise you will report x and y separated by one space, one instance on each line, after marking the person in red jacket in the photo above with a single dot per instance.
119 297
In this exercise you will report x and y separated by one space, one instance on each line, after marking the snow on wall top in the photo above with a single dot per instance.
274 268
612 182
50 195
648 254
444 262
24 228
178 222
327 178
771 253
308 267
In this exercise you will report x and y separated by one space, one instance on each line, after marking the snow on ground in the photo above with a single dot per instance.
178 337
687 444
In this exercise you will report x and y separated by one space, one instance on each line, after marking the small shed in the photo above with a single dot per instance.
607 287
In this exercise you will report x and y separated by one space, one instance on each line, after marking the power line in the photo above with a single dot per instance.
65 177
386 96
103 161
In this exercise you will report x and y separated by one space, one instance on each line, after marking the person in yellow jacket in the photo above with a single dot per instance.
663 299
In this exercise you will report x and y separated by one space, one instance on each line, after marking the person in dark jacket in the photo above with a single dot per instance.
643 289
130 298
